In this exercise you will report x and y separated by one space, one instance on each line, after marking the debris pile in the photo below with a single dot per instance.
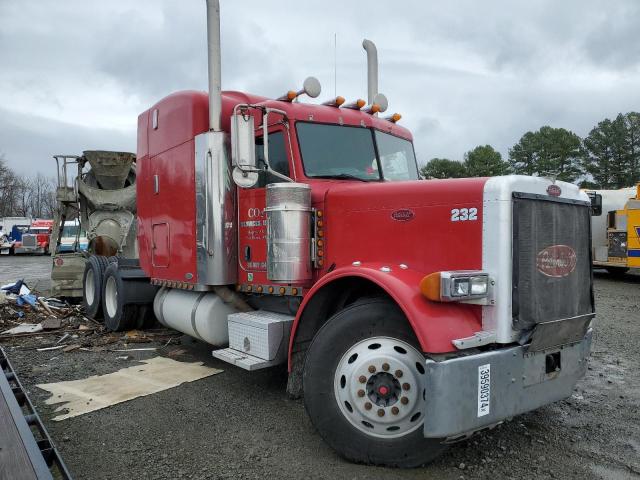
54 324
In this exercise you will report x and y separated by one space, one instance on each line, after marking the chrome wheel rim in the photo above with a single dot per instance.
90 288
111 296
379 386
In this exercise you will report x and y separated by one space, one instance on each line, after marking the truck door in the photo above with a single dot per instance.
252 252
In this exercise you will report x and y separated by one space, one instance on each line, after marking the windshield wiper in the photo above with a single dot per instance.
344 176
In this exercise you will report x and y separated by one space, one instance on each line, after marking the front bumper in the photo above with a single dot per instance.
466 394
24 249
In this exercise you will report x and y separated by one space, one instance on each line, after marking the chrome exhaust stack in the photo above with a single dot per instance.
214 61
372 70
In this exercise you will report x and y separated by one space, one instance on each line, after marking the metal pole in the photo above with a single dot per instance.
213 56
372 69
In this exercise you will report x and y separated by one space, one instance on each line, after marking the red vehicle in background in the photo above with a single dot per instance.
36 239
411 313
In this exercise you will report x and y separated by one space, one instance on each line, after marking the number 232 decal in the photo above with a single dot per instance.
464 214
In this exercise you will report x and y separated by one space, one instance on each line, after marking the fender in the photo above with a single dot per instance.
435 324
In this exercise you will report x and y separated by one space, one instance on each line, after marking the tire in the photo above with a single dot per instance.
118 316
345 410
92 285
617 271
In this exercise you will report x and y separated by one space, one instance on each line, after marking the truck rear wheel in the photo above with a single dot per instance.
117 314
92 285
364 387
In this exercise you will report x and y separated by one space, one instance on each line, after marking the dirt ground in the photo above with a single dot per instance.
242 425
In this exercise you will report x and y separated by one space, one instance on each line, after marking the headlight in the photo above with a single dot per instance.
456 286
460 287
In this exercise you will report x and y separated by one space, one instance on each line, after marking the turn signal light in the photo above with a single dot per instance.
430 286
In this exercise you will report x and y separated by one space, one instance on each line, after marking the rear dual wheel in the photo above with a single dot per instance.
92 284
118 315
364 387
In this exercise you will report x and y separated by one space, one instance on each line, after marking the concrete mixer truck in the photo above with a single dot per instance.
96 194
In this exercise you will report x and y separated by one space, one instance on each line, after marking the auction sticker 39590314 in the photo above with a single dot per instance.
484 389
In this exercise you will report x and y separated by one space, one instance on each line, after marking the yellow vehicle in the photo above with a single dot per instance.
615 228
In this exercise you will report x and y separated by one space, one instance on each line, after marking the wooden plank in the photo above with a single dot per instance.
14 458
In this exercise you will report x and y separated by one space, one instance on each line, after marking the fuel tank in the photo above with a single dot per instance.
202 315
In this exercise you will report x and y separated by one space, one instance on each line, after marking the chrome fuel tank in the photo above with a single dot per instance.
288 232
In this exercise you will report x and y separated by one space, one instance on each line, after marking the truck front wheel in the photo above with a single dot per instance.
364 387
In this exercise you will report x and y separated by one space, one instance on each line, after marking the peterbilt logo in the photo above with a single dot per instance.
556 261
403 215
554 190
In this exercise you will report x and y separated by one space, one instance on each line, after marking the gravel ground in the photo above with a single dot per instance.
242 425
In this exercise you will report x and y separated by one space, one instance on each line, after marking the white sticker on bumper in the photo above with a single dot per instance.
484 389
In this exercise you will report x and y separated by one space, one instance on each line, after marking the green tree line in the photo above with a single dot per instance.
608 157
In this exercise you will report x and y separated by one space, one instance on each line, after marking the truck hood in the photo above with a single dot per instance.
426 225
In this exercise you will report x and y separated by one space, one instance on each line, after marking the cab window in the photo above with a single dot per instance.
277 158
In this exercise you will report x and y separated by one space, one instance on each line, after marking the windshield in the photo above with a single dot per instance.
335 151
70 231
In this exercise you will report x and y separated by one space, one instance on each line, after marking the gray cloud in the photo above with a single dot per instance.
75 75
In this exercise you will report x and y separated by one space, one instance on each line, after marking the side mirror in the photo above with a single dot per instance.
596 203
243 149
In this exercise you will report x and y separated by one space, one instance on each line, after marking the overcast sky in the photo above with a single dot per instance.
74 74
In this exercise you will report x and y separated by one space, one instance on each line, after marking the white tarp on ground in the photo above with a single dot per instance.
101 391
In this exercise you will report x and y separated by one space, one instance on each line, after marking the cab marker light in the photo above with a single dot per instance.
375 108
395 118
288 97
357 105
457 286
334 102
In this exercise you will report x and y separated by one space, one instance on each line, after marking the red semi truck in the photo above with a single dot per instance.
410 313
37 238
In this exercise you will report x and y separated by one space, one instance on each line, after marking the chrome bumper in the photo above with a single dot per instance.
466 394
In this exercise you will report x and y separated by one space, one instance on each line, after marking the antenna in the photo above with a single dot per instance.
335 64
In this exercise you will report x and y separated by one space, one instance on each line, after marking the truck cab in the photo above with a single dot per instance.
334 239
37 238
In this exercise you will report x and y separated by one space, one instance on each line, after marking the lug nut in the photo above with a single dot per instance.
404 400
372 369
368 406
399 373
361 393
406 386
395 410
362 379
385 367
381 413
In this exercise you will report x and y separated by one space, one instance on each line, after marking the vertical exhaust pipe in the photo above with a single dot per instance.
372 69
214 60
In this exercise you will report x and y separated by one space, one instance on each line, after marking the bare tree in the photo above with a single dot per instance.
26 196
